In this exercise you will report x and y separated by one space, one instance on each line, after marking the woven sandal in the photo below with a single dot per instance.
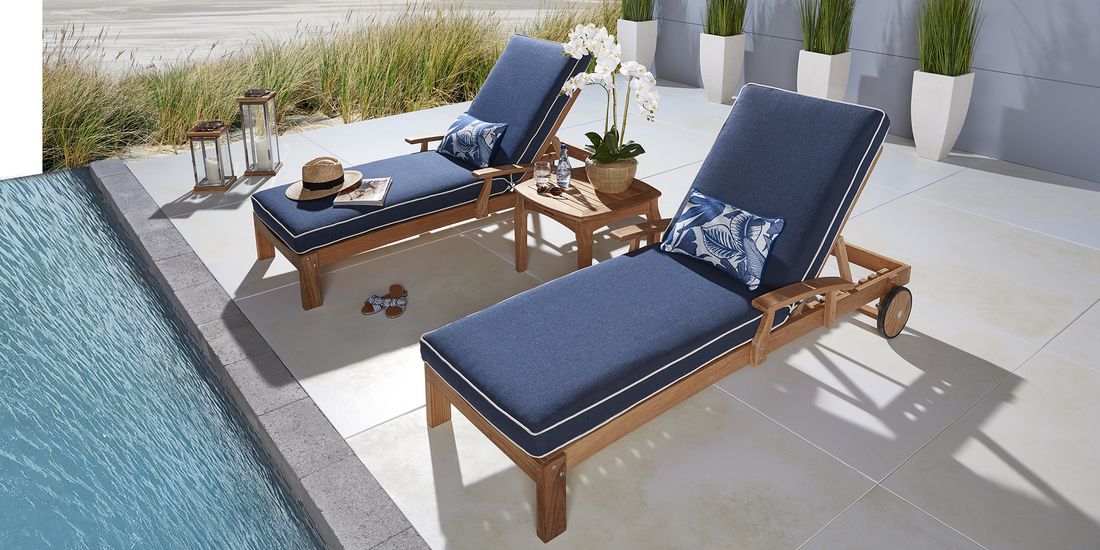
393 303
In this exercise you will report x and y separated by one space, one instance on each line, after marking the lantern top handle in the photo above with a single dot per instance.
208 129
256 95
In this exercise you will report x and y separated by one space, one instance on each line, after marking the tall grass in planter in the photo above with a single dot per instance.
947 34
637 10
637 32
824 62
722 48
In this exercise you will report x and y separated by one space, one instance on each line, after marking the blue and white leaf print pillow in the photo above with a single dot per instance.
731 239
471 140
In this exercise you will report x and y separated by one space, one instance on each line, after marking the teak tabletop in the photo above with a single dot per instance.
582 209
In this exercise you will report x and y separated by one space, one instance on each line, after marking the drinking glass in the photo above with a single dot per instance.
543 171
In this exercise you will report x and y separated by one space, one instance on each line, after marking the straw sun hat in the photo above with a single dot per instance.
321 177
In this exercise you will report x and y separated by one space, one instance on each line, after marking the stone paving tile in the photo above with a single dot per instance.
356 506
304 437
184 271
265 383
109 167
408 539
164 243
208 302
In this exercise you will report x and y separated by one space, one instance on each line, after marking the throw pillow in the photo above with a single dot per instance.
471 140
727 237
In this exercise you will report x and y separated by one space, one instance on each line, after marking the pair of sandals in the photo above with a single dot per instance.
393 304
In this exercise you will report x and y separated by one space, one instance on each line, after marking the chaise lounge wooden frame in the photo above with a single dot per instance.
309 265
817 303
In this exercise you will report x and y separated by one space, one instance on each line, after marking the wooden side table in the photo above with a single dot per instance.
582 209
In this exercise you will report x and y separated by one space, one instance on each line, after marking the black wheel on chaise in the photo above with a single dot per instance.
893 311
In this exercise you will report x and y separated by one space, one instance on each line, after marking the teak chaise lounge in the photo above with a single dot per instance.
555 374
429 190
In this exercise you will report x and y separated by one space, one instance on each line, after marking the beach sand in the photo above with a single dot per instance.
144 32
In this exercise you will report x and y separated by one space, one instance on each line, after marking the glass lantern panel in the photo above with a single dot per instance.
261 138
225 158
196 161
207 168
271 131
248 134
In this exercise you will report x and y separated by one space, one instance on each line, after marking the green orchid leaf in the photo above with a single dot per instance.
595 138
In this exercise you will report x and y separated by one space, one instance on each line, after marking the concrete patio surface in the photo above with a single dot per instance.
974 428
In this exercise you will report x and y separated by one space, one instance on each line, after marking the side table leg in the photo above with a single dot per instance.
584 247
520 227
653 215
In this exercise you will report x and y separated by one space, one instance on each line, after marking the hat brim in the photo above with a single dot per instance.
298 192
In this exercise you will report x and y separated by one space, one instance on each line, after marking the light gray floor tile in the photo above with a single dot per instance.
1019 469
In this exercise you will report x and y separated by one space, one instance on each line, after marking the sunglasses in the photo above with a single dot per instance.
553 190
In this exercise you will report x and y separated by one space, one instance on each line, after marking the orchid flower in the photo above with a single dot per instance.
588 40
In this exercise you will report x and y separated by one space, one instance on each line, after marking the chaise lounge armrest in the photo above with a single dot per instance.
423 141
829 287
634 233
486 175
797 292
498 171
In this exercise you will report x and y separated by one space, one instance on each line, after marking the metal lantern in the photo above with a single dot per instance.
210 156
261 140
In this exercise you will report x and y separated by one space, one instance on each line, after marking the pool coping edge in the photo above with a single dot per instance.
343 501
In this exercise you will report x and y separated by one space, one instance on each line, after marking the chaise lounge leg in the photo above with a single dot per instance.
264 249
438 407
550 498
309 279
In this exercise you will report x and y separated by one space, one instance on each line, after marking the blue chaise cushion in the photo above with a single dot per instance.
553 363
472 141
800 158
731 239
423 183
523 90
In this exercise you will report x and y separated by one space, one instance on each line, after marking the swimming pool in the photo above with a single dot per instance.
114 433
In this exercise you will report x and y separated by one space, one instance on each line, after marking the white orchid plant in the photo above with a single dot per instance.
606 67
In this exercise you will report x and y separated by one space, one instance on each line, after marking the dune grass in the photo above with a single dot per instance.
354 70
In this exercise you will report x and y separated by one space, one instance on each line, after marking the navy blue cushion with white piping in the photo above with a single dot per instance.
471 140
423 183
553 363
800 158
558 361
526 79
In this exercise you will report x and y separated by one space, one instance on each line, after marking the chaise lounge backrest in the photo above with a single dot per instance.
781 154
524 90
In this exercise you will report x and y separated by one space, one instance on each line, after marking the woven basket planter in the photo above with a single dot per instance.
612 177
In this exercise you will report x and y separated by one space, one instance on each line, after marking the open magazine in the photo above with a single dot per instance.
370 192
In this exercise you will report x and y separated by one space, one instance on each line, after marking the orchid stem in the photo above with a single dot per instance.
626 111
607 114
614 101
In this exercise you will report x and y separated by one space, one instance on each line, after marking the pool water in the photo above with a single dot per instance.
114 432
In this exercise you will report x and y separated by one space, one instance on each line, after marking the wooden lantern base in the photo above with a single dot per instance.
264 172
216 188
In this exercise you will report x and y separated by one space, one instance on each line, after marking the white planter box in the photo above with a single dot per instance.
823 75
638 40
720 62
938 110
